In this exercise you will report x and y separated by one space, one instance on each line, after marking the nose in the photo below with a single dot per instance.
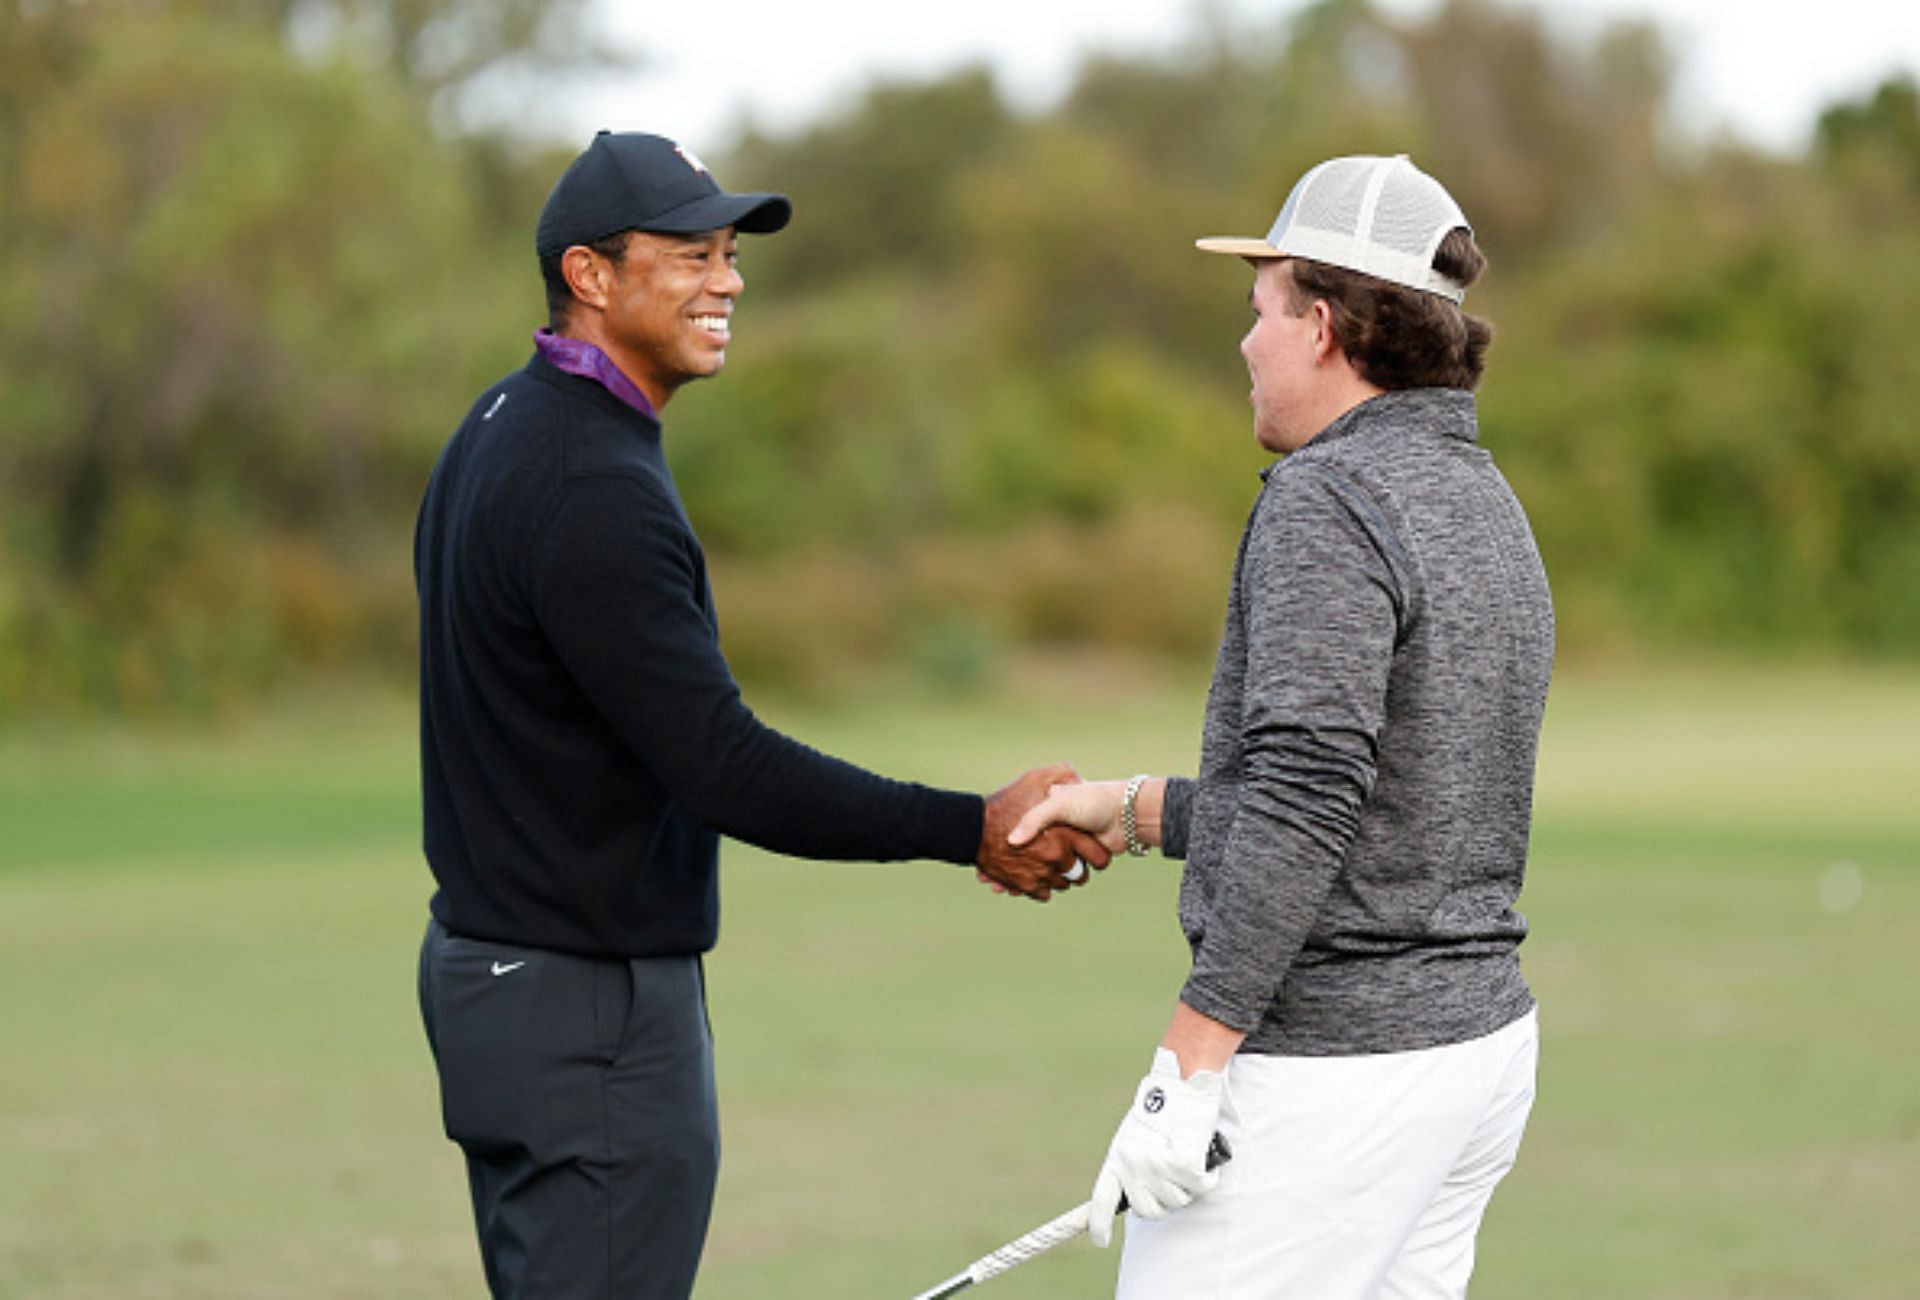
725 280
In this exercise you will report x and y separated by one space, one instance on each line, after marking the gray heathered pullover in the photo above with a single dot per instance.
1357 835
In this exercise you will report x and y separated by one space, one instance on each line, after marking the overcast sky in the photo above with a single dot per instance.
1746 64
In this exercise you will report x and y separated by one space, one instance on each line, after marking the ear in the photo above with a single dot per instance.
1326 344
589 275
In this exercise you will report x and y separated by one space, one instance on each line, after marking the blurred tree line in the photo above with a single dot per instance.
256 258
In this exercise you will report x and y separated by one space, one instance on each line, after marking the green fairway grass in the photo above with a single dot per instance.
214 1085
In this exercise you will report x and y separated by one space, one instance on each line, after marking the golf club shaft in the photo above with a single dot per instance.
1044 1238
1055 1231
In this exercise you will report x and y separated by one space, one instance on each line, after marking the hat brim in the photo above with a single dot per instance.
753 214
1258 249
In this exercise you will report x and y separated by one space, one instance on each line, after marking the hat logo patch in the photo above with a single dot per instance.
687 156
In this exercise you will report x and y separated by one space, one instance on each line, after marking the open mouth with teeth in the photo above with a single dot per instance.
715 325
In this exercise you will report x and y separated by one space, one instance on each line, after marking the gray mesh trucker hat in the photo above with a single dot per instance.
1382 217
634 181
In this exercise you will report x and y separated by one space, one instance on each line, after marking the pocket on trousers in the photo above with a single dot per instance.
612 1010
484 1022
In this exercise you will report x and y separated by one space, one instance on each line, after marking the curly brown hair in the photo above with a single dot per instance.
1398 337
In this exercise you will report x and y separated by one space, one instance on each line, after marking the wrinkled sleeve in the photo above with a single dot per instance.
1323 588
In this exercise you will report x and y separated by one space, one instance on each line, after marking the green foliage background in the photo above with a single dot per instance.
255 259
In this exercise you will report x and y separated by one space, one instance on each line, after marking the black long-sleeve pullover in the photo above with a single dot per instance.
583 743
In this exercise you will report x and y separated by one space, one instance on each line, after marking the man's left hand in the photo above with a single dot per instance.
1158 1159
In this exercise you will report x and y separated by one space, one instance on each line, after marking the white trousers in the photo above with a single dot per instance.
1352 1178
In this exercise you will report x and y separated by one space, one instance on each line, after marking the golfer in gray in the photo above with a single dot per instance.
1355 1023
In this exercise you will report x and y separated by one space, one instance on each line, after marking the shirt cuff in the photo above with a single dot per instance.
1235 1012
1176 814
954 824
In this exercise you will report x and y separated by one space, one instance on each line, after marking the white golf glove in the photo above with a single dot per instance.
1158 1159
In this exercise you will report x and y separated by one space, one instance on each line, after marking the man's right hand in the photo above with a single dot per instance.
1050 861
1091 806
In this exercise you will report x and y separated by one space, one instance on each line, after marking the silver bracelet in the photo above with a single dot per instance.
1129 826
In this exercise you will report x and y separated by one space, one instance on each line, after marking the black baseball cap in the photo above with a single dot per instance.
632 181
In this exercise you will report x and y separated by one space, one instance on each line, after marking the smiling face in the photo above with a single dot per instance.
664 309
1302 380
1279 351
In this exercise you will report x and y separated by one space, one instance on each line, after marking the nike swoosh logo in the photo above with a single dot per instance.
504 968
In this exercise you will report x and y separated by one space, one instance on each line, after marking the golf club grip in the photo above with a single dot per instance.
1218 1153
1015 1253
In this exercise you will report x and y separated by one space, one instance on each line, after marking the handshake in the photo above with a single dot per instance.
1049 830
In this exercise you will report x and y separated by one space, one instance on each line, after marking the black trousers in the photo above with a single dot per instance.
581 1091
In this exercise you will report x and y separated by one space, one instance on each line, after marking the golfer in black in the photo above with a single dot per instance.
583 746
